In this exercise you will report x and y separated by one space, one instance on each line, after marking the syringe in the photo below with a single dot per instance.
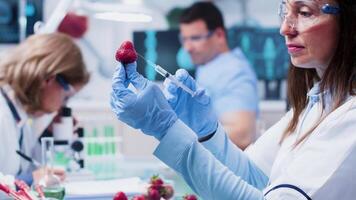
166 74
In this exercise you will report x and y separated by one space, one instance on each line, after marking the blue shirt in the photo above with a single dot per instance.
230 82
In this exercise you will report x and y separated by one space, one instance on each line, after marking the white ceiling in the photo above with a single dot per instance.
264 12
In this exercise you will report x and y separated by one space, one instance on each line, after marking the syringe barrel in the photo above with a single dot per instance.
161 71
181 85
164 73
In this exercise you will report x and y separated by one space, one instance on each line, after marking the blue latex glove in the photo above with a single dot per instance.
195 111
147 109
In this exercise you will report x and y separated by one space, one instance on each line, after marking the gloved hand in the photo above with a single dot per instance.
196 112
147 109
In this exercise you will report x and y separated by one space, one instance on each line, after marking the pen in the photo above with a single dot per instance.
32 161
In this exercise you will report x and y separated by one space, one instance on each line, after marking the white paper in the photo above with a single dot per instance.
104 188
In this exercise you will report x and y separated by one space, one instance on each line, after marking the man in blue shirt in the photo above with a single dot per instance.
226 75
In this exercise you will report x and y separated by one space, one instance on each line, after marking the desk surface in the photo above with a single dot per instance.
141 168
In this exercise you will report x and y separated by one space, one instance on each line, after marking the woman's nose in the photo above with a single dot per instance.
288 27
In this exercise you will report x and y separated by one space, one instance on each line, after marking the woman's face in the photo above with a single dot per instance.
311 35
54 94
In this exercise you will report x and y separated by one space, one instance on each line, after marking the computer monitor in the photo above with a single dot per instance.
264 48
9 19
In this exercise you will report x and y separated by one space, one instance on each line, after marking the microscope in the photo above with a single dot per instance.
68 143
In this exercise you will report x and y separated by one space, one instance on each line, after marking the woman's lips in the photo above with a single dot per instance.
294 48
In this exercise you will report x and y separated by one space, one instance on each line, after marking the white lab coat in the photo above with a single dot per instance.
10 162
323 167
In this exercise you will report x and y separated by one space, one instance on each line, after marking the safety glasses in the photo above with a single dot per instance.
68 88
195 38
304 14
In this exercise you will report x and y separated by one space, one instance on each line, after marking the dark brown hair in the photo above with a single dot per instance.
339 77
205 11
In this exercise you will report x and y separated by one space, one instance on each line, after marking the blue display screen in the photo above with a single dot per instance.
9 19
264 48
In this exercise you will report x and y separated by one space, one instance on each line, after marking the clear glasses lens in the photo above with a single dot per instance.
68 88
303 14
195 38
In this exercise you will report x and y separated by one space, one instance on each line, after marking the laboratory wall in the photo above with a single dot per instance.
91 105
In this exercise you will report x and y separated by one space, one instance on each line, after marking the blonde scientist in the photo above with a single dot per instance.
36 78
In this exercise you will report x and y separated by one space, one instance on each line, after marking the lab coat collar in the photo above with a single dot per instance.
315 95
17 104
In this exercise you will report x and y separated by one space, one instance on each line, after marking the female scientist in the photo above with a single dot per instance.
36 78
308 154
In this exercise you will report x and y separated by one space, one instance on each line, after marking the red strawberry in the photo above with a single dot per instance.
139 197
120 196
190 197
126 53
153 194
156 181
127 45
156 187
168 192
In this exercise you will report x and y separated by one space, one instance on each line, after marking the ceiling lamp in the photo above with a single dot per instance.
123 16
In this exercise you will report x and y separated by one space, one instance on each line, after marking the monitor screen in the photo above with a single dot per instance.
264 48
9 19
